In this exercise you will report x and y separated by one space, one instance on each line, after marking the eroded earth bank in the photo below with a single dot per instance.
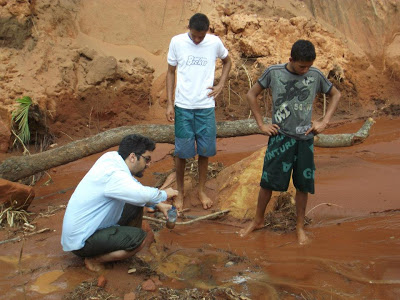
90 66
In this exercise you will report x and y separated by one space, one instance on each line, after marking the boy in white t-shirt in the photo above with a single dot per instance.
193 55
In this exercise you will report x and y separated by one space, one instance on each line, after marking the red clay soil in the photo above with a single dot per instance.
355 233
354 251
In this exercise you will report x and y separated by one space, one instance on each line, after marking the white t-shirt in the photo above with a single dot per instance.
99 199
196 68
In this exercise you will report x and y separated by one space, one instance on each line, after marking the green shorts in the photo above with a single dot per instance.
116 238
286 156
195 127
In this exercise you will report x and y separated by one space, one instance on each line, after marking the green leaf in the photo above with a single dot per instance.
20 117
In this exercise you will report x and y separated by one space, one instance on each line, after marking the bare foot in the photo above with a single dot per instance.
302 237
252 226
92 265
178 202
207 202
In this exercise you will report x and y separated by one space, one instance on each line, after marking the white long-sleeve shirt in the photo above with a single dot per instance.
99 199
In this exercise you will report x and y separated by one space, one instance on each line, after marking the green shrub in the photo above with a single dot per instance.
20 117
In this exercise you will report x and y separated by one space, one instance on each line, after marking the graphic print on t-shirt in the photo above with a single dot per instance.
198 61
293 100
292 91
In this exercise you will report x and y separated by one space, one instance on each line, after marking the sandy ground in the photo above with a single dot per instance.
355 234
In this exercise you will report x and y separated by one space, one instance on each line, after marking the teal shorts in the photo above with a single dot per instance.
285 157
195 132
116 238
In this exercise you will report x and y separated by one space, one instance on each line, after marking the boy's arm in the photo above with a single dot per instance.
216 90
319 126
252 94
170 114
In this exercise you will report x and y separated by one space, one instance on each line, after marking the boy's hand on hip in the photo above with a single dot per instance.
215 91
317 127
269 129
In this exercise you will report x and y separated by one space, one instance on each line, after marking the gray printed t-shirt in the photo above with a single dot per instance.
293 96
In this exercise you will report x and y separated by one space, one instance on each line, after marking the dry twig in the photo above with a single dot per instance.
327 204
191 221
18 238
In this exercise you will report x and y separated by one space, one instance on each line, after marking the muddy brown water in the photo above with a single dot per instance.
354 253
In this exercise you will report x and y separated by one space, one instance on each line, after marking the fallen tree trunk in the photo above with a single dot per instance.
344 139
20 167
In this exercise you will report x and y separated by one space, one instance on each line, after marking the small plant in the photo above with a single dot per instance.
20 117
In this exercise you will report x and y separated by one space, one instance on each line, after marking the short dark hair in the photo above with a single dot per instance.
303 50
199 22
135 143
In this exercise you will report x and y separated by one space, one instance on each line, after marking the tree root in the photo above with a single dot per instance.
191 221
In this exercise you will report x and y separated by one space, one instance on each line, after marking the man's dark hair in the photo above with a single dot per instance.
303 50
199 22
135 143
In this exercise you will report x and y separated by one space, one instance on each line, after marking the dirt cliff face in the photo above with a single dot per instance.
370 30
93 65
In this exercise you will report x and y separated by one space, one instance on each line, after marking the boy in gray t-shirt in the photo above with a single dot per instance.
290 147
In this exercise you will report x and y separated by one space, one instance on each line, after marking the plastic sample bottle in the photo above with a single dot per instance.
172 213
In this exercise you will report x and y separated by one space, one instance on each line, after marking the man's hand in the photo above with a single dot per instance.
170 113
163 207
269 129
171 193
317 127
215 91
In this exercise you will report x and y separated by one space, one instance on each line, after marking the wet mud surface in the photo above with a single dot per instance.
355 232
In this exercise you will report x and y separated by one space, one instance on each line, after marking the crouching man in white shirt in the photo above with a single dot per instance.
102 222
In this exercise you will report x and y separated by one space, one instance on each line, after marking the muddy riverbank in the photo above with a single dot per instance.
355 234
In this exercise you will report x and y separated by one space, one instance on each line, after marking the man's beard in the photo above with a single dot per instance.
139 174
